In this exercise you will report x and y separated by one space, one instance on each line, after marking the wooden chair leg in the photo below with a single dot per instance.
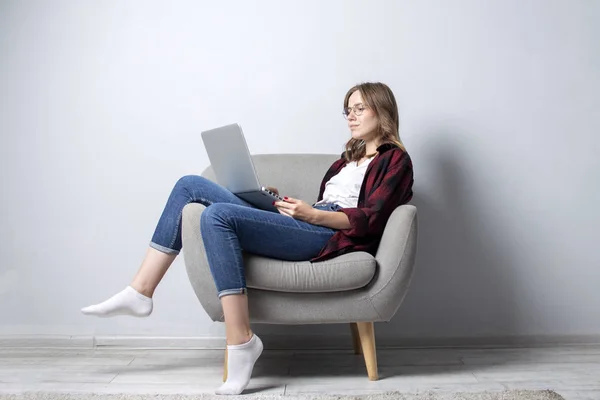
355 338
225 366
366 332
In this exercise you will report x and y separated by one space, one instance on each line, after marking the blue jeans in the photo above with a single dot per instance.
230 225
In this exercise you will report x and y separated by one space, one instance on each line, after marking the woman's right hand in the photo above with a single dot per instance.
274 190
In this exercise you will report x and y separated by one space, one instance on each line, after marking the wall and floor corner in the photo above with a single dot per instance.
101 110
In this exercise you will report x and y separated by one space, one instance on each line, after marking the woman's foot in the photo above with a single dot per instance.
126 302
240 362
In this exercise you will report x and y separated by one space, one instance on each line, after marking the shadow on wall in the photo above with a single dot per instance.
462 285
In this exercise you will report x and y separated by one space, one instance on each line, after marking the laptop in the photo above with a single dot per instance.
230 159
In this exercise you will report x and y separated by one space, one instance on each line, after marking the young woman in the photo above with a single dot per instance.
357 195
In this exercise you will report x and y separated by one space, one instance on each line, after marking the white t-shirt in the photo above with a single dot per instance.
343 189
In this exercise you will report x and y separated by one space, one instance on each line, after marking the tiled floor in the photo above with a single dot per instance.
574 372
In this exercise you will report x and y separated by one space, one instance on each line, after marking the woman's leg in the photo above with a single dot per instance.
243 347
227 229
136 299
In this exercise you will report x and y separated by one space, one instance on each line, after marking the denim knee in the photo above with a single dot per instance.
206 217
214 213
189 181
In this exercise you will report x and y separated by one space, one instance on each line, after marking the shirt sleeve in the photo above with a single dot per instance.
394 190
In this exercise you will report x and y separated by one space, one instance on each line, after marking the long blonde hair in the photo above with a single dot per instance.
379 98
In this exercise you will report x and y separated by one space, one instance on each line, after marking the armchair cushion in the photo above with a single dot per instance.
346 272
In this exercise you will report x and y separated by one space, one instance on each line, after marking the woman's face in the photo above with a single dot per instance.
363 126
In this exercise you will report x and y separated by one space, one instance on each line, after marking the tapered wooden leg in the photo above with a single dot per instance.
355 338
366 332
225 366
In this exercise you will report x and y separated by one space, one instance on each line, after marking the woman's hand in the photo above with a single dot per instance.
297 209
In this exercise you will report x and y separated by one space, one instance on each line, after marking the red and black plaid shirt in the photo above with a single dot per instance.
387 184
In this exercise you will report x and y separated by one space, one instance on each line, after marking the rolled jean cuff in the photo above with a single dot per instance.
163 249
228 292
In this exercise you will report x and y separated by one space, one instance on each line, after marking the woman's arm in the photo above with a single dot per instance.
304 212
394 189
330 219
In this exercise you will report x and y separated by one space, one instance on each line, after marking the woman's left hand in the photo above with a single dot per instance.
295 208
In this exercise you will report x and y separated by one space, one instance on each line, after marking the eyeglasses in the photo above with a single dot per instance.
357 108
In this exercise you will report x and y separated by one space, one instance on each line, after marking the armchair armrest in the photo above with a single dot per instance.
196 262
395 257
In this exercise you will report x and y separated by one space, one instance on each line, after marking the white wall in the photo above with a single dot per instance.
102 104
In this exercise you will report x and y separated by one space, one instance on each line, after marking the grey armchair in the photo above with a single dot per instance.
354 288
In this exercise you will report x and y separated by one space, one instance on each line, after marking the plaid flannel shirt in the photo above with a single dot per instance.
387 184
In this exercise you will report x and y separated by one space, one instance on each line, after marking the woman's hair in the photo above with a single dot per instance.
379 98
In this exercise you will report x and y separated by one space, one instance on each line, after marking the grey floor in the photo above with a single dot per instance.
574 372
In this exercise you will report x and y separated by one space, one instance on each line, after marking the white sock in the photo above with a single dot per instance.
240 362
126 302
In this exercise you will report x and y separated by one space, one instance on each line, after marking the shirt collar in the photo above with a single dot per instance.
385 147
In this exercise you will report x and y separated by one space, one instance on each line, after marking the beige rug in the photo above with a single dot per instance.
506 395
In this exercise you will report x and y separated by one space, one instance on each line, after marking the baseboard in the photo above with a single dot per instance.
160 342
344 342
46 341
288 342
